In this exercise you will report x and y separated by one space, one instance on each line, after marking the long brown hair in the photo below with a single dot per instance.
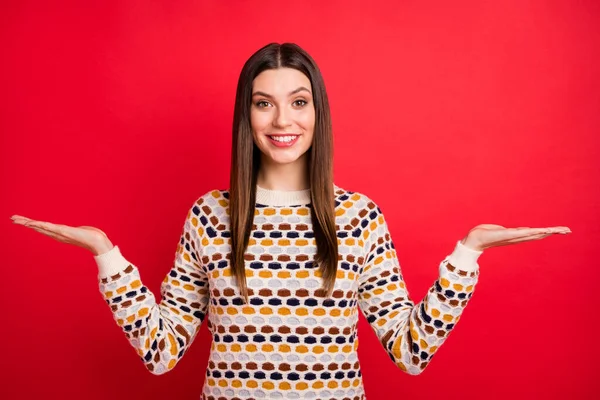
245 163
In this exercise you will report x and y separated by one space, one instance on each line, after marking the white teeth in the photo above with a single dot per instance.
285 139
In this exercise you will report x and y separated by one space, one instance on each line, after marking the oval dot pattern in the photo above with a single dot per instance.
290 341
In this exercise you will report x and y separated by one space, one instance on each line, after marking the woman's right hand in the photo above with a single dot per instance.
88 237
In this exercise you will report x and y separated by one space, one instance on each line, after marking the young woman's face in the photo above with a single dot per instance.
282 114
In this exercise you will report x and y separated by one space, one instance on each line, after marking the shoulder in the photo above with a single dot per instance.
354 200
213 202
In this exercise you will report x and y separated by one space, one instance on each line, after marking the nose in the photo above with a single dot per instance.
282 118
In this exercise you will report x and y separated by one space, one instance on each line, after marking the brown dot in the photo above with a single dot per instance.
266 329
268 366
301 367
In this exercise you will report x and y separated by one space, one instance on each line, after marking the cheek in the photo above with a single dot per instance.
308 121
257 121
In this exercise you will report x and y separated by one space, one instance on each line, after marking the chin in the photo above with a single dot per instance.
285 159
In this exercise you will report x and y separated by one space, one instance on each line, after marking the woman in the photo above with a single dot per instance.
283 260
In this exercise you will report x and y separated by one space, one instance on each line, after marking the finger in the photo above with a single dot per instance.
522 239
20 220
45 225
51 234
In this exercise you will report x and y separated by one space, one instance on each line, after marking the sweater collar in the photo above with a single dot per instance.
270 197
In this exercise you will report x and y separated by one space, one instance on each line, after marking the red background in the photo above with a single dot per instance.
448 114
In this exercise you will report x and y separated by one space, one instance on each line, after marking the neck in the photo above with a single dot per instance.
284 177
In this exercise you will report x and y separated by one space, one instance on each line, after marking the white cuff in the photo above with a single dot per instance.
110 263
464 258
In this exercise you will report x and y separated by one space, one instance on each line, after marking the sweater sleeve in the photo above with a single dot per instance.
411 334
159 332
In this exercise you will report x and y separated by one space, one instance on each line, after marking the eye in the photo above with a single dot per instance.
258 104
303 101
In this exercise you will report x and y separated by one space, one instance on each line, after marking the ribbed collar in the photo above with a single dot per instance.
278 198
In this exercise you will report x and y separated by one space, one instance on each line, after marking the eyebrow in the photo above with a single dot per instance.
293 92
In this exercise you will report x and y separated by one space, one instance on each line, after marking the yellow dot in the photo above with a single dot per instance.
265 274
302 349
302 311
284 348
302 274
320 311
136 284
448 318
284 311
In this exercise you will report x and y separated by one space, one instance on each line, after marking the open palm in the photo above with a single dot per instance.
489 235
88 237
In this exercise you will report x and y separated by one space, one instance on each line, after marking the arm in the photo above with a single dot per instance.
411 334
160 332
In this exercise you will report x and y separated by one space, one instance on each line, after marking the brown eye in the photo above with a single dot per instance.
303 101
258 104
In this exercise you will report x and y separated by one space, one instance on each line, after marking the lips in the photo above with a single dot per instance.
283 140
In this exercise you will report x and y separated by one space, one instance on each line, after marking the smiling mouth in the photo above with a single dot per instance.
283 140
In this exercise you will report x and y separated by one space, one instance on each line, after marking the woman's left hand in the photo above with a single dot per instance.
487 235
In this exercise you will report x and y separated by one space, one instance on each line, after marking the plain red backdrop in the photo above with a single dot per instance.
448 114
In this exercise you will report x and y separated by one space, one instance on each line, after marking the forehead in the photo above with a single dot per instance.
280 81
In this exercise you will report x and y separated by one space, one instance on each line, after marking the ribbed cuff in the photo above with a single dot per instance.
464 258
110 263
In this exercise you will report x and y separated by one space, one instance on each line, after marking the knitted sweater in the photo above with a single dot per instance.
289 341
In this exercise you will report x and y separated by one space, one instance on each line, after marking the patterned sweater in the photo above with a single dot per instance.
288 342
